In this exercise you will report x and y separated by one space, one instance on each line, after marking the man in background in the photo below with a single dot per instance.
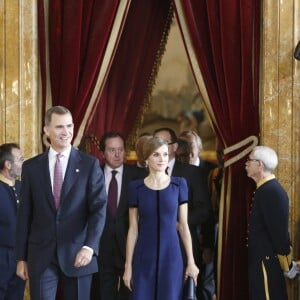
207 231
11 160
269 254
113 242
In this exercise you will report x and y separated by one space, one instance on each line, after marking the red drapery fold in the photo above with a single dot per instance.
76 41
133 70
222 42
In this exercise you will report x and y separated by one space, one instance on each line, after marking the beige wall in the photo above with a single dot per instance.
19 106
280 90
280 107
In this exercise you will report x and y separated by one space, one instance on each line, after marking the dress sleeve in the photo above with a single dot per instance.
183 191
132 194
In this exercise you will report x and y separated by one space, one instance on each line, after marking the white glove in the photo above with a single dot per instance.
294 270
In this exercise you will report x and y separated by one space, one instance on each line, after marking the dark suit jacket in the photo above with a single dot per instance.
8 214
199 205
43 231
206 166
116 229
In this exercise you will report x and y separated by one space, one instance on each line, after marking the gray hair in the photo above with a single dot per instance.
267 156
190 133
59 110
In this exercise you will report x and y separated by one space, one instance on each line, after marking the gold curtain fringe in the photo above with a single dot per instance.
87 141
147 99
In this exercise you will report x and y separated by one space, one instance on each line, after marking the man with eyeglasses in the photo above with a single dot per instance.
269 248
113 241
11 160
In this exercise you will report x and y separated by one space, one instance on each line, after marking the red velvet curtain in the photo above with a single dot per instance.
75 36
222 41
134 68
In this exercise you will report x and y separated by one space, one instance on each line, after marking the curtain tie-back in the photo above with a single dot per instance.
250 139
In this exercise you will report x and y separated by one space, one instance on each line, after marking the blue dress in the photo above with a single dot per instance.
157 270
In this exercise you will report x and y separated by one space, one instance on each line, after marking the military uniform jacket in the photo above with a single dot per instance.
268 241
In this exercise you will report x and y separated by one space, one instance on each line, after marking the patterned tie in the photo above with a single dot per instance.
57 180
113 194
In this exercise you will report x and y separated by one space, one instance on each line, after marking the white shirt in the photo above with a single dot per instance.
108 175
197 162
64 161
171 166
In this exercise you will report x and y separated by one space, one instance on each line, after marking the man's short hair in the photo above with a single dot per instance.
267 156
6 153
108 135
59 110
171 132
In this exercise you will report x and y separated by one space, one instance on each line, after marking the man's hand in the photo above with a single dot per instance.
83 258
22 270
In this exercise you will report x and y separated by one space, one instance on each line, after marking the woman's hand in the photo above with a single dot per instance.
127 277
191 271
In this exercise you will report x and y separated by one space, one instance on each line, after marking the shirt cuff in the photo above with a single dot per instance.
88 248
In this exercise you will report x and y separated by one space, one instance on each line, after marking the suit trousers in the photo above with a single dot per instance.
45 286
11 286
111 276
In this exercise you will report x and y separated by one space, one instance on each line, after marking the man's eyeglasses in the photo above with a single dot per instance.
252 159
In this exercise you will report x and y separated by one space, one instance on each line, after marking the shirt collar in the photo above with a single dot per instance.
197 162
108 169
264 180
66 153
6 180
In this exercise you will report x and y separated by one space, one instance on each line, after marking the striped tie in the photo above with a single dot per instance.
57 180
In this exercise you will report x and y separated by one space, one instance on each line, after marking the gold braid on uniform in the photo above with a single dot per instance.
147 99
285 261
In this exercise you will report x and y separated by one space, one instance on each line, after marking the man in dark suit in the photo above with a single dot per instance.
199 205
208 228
11 160
113 241
61 215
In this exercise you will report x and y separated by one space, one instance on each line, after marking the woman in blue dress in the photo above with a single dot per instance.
154 267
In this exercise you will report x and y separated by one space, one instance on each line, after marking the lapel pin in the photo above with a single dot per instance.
77 170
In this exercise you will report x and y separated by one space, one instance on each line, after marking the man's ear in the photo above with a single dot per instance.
7 164
175 147
46 130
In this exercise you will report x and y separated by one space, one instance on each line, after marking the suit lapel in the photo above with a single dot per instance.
175 168
46 179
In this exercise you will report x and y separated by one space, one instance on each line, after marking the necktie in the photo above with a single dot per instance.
113 194
57 180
